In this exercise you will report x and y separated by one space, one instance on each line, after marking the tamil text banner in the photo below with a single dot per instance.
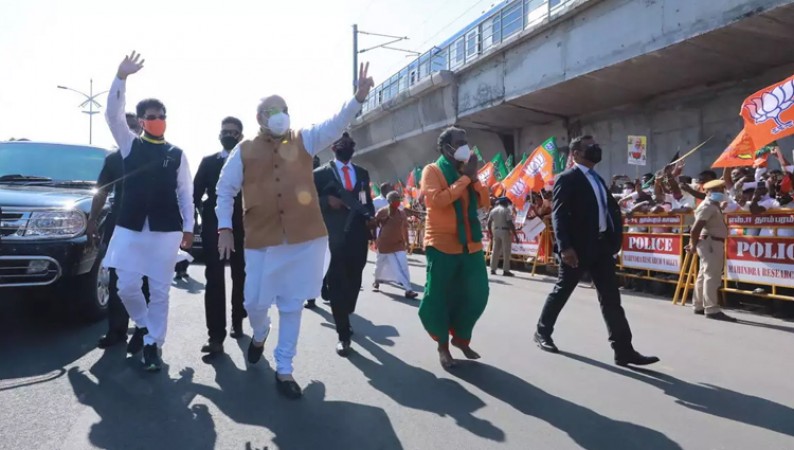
760 260
652 252
767 220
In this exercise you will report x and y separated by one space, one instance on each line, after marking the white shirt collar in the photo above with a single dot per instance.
585 170
224 154
340 164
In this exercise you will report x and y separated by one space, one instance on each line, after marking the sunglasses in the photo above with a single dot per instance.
154 117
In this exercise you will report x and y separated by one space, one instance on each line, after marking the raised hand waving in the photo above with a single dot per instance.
131 64
365 83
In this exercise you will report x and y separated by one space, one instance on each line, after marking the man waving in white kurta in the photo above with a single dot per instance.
155 216
286 243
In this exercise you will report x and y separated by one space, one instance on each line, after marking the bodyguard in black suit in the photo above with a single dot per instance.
215 270
346 204
588 228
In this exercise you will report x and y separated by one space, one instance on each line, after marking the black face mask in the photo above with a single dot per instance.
344 154
593 153
229 142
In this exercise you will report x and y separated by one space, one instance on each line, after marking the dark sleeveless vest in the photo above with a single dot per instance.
150 183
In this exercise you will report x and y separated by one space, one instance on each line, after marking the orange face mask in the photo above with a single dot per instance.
154 127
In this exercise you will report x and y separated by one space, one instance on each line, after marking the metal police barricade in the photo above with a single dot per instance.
759 252
532 246
653 247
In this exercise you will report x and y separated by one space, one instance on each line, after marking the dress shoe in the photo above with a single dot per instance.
508 274
310 304
411 294
493 272
635 358
545 343
212 347
254 352
111 339
288 388
700 312
237 331
136 341
343 348
721 316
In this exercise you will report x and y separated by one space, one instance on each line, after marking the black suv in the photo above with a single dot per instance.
45 198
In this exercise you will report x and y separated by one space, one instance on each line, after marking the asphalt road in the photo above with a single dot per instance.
719 385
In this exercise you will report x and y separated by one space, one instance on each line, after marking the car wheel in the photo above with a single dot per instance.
92 292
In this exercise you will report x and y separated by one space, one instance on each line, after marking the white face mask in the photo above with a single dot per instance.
463 153
278 124
717 197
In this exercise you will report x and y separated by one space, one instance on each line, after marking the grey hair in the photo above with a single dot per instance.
393 196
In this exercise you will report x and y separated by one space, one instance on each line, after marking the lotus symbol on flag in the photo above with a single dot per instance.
770 105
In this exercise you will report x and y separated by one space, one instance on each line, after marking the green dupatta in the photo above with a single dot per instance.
451 175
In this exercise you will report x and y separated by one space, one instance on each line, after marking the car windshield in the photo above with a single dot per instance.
58 162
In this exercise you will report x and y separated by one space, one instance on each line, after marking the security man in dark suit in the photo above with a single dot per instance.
110 178
215 270
348 212
588 228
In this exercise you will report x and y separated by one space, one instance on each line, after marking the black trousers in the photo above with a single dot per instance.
215 274
118 319
602 272
343 282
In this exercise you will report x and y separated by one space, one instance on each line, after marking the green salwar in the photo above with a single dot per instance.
455 294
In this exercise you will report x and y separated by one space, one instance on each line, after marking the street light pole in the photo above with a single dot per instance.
90 102
385 45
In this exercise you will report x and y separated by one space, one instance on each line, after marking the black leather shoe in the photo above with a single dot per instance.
288 388
635 358
493 272
310 304
508 274
700 312
721 316
254 352
237 331
212 347
545 343
136 341
111 339
343 348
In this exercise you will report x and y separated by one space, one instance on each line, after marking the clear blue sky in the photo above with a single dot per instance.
204 62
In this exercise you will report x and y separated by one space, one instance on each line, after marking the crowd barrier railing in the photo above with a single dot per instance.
653 247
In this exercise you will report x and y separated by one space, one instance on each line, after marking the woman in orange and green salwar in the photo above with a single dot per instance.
456 291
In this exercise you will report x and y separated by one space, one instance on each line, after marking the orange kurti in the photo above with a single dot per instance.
441 230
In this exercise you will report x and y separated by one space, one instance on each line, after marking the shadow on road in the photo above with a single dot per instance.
142 410
39 344
249 396
416 388
586 427
710 399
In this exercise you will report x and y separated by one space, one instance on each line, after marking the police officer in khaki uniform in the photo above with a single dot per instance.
708 239
503 230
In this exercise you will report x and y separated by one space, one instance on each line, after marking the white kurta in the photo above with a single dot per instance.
294 271
145 252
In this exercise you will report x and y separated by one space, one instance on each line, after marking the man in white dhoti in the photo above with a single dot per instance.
286 242
392 263
155 216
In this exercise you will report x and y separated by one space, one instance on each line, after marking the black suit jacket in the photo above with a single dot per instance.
207 175
338 221
575 215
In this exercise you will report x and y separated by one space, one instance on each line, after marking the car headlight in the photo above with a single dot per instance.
66 223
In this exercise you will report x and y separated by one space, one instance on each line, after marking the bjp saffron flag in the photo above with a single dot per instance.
487 175
532 174
769 113
740 152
